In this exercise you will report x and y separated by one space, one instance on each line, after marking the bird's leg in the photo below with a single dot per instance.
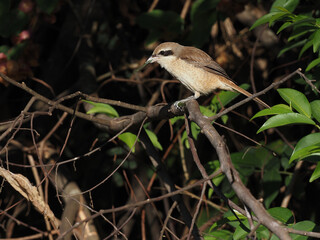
181 103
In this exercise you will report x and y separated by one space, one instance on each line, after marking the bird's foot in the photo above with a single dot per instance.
180 105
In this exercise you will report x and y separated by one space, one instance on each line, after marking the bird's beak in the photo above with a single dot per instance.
151 59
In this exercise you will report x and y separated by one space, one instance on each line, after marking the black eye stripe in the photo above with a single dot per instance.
166 52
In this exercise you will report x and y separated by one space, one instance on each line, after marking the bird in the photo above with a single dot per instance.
195 69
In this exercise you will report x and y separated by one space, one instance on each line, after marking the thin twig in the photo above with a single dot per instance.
271 86
167 219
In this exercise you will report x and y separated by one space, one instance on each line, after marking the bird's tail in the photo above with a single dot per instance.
244 92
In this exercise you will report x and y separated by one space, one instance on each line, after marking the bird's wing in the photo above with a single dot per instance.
199 58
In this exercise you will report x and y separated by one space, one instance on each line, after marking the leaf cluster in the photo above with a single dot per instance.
305 28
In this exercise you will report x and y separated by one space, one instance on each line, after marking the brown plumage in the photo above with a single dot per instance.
195 69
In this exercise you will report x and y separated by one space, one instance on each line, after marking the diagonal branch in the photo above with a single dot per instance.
232 174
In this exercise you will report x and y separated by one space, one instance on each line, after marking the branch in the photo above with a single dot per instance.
271 86
112 125
169 185
231 173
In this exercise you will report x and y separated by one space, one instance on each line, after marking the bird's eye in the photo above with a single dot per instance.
166 52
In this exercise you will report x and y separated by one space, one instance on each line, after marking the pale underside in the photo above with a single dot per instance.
196 79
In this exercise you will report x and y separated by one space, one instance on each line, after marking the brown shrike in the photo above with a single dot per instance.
195 69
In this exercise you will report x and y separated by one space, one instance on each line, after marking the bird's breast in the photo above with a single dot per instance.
196 79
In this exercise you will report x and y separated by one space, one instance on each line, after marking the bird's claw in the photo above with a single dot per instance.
179 105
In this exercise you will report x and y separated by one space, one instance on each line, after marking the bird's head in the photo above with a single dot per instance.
165 53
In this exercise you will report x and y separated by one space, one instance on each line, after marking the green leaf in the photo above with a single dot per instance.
316 41
289 5
299 21
224 119
315 109
285 119
277 16
195 130
47 6
291 46
228 218
212 167
102 108
176 119
313 64
316 173
243 229
306 47
129 139
299 33
284 26
218 234
154 139
206 111
271 185
264 19
297 100
274 110
284 215
306 146
184 139
306 226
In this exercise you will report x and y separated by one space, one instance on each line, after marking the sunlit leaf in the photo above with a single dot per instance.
297 100
284 26
129 139
206 111
176 119
285 119
102 108
277 16
219 234
315 109
284 215
243 229
224 119
316 173
264 19
195 130
306 146
314 63
288 5
154 139
276 109
184 139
